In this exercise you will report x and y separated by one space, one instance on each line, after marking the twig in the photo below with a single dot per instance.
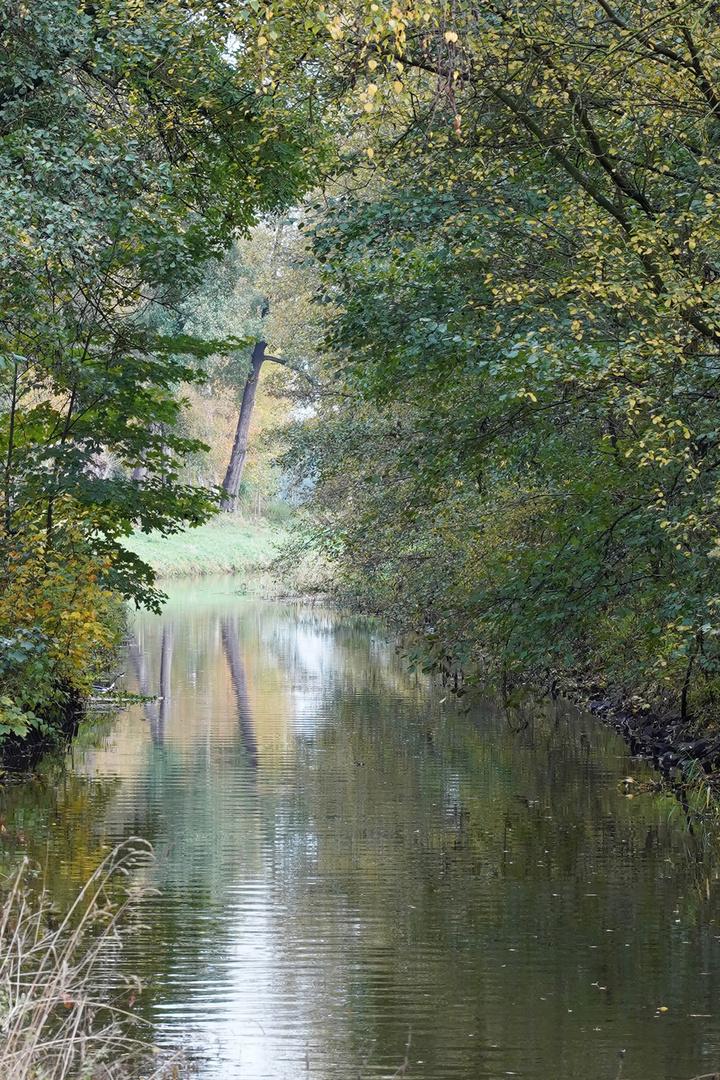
402 1070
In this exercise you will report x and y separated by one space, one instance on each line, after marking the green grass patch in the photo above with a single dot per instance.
229 543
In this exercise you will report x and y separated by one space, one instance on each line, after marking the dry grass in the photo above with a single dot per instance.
62 1013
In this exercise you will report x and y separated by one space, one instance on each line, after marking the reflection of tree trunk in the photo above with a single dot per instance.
155 712
166 655
238 457
231 647
137 661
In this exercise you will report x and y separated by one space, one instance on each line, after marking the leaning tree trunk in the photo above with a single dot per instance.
233 476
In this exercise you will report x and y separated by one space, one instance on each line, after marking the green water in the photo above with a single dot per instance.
346 858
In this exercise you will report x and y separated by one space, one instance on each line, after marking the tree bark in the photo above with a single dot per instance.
238 457
233 476
140 471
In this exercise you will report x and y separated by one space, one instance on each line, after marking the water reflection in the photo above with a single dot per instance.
156 710
231 648
346 858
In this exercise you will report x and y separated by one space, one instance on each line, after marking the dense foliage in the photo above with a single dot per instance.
134 145
516 447
523 458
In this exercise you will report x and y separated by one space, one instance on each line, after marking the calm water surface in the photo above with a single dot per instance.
348 859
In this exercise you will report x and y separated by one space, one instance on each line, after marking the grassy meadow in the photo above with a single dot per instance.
228 543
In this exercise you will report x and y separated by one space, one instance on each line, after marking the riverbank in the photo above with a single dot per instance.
60 626
684 749
227 544
687 755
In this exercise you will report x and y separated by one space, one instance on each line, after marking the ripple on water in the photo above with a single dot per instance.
344 859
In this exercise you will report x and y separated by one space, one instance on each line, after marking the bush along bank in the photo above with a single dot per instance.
60 623
517 443
462 585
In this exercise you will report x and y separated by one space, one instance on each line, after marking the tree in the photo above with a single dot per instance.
282 305
526 327
133 150
134 147
261 288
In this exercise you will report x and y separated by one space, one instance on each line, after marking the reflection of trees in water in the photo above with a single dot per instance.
186 802
30 813
166 655
490 881
156 712
407 866
231 648
138 662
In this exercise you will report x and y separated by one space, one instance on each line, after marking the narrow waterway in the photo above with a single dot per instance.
346 858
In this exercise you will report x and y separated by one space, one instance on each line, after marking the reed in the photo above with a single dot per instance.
62 1015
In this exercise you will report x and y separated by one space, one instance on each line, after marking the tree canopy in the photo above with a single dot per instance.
136 142
515 447
524 288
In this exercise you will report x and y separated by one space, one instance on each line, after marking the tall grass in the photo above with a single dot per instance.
62 1015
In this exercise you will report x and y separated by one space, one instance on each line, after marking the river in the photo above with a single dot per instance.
348 863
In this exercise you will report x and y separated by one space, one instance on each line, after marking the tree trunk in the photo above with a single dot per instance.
233 476
140 472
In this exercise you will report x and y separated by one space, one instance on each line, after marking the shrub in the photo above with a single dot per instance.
56 616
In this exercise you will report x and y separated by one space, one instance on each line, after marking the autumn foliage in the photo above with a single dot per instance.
520 458
56 617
